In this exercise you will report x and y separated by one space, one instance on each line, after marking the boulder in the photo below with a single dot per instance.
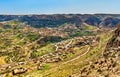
19 71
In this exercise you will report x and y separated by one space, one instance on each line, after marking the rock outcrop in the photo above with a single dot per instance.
19 71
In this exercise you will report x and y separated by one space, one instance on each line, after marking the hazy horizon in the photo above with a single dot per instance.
64 14
25 7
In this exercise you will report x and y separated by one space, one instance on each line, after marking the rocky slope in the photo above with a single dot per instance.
55 20
107 65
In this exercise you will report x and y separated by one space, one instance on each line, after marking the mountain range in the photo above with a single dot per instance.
55 20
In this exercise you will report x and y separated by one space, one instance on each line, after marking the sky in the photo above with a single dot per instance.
59 6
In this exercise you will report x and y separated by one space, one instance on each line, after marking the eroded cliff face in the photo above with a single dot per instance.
115 40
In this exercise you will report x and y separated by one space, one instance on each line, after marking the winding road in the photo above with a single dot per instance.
77 56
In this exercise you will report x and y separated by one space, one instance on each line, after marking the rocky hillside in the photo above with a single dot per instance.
55 20
108 64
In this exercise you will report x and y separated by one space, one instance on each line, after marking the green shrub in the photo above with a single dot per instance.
32 37
46 66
